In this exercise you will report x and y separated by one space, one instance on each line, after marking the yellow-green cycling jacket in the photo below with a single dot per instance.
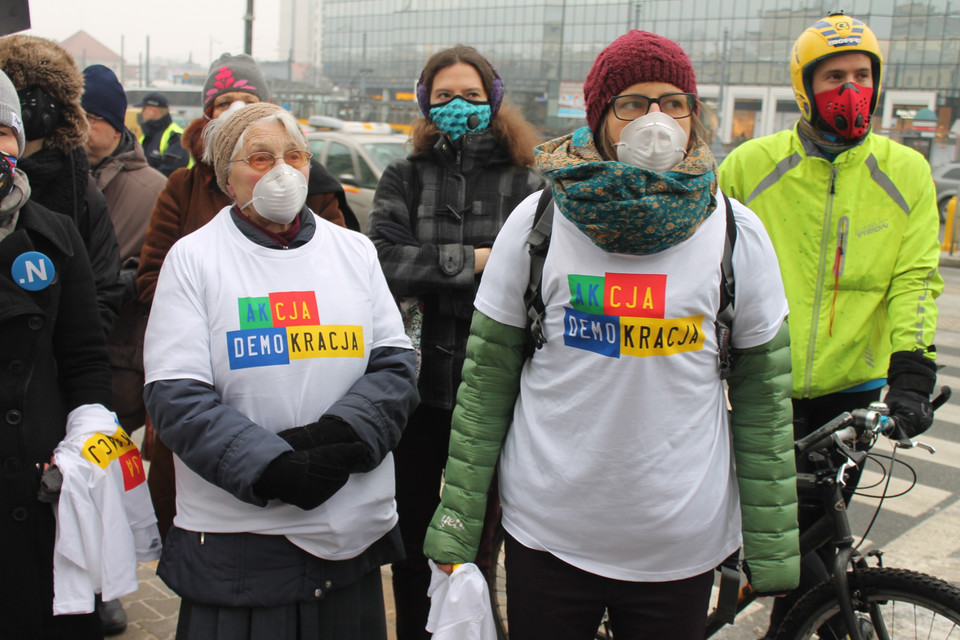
858 245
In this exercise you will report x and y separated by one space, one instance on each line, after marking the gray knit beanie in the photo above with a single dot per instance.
228 134
230 73
10 110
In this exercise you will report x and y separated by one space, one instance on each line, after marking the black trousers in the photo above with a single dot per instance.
808 415
418 463
548 598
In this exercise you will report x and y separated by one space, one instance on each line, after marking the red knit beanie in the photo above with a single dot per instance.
636 56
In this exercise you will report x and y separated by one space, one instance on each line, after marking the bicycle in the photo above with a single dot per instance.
859 602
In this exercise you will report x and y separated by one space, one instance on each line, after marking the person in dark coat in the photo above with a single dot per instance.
50 86
53 359
434 218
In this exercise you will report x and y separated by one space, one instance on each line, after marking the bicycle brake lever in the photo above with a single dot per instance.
841 478
906 443
853 456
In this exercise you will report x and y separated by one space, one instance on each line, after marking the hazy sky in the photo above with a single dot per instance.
176 27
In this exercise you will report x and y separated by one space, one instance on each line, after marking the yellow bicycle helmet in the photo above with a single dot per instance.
834 35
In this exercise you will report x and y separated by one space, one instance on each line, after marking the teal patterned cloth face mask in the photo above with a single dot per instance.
458 116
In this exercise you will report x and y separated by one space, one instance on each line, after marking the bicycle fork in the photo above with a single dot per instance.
848 556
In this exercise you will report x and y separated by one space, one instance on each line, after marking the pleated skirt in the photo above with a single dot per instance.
355 612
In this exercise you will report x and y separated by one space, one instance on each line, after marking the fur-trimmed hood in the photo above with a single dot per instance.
31 60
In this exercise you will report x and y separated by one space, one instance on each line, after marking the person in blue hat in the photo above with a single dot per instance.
161 135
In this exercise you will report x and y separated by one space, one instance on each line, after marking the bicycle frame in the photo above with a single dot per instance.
834 527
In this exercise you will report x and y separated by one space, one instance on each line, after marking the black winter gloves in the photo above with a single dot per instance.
326 430
912 377
325 453
309 478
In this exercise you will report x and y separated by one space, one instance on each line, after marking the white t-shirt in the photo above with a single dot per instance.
105 519
281 335
619 457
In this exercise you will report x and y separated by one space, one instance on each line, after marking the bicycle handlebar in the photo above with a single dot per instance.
858 421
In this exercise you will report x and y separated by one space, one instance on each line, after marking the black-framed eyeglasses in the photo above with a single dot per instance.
632 106
263 161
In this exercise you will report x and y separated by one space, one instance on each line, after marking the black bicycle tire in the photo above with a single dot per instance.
876 585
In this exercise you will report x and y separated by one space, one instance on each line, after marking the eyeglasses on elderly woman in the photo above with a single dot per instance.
632 106
263 161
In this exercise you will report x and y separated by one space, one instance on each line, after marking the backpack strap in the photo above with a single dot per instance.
727 282
727 294
539 244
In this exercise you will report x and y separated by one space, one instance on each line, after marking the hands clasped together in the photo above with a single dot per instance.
324 455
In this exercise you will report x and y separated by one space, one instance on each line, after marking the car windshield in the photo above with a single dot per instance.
383 153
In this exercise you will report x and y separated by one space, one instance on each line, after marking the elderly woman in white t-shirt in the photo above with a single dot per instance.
267 318
622 481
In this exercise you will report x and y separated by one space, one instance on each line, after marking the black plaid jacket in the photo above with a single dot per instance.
429 213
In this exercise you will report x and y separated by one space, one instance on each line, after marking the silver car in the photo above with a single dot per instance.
357 160
946 177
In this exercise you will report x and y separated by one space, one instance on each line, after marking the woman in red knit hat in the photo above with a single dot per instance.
623 480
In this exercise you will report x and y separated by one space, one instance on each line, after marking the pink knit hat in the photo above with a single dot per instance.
636 56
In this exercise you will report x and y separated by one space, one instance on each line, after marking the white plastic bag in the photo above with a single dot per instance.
460 605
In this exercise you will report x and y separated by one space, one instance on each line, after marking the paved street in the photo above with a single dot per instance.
917 531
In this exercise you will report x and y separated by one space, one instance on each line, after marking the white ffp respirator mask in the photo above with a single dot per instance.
654 141
280 194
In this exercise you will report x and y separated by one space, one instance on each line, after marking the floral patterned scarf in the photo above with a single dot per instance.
622 208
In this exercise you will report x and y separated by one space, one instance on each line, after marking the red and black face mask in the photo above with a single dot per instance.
846 109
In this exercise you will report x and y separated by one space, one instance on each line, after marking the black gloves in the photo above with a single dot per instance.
912 377
325 453
326 430
309 478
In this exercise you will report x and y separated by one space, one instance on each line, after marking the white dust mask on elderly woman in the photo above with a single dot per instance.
280 194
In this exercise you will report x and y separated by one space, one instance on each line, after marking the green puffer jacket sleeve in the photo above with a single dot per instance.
762 426
484 411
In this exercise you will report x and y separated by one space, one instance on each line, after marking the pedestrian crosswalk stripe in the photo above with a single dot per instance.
948 451
948 359
918 501
930 547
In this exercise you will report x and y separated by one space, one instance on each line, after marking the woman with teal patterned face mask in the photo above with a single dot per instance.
433 221
458 102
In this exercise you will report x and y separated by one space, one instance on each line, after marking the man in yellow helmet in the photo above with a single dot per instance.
853 218
161 135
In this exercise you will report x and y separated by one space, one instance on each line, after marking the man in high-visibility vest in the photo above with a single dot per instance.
161 135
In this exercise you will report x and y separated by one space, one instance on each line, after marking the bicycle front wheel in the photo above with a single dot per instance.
891 604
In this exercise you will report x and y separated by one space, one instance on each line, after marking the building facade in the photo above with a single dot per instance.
372 52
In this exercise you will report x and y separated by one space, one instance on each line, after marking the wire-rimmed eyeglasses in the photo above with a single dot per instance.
263 161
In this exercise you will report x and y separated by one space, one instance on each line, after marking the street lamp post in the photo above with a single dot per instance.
248 29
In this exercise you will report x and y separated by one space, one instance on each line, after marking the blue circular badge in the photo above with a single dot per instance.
33 271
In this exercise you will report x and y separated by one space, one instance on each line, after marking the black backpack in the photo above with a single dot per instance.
539 244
